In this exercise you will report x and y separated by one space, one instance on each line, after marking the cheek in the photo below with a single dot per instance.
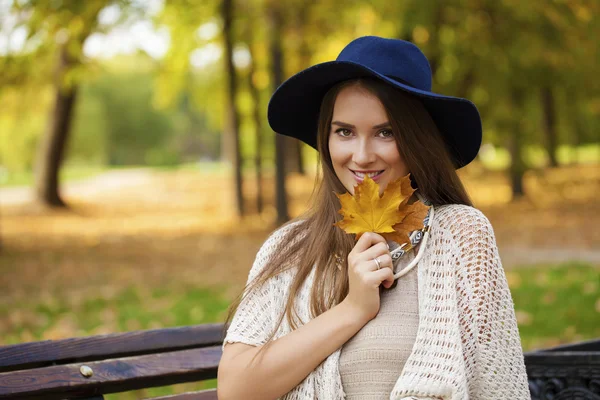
338 155
395 160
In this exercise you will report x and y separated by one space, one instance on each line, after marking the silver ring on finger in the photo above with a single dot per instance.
377 262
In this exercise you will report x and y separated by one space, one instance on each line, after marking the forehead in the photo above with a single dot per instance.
355 103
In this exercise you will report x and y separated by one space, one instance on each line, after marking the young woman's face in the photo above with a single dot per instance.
361 140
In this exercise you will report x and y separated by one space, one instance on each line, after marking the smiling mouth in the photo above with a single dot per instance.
371 175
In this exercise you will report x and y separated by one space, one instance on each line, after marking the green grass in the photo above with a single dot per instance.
554 304
131 308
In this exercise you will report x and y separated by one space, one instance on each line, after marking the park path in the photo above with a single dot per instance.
513 256
89 188
110 186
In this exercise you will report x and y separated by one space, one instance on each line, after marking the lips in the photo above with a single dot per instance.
360 178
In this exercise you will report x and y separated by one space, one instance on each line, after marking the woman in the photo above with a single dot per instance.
325 316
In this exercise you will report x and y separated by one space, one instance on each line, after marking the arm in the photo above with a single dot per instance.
491 341
288 360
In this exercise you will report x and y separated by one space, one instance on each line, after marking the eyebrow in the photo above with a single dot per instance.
345 125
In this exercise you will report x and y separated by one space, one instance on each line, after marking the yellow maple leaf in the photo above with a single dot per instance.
389 215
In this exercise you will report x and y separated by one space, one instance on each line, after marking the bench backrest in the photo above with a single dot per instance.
90 367
569 371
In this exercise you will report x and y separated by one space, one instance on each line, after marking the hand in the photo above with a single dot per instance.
364 277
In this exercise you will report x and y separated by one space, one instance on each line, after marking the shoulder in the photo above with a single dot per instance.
286 234
462 221
469 238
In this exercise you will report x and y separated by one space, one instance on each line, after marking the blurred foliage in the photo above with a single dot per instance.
170 110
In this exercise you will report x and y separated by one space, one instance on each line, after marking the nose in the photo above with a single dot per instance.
363 153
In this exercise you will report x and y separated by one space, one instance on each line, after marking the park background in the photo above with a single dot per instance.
139 176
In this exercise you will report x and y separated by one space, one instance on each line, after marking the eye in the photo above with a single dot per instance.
343 130
387 133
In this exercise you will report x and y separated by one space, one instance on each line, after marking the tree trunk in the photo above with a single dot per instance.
549 117
434 60
256 115
575 123
277 79
517 166
52 148
231 136
304 54
466 84
293 155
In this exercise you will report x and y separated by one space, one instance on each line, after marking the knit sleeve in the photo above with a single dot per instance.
255 317
490 335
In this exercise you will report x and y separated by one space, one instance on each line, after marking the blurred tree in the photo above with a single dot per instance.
214 91
134 131
68 25
232 126
251 30
63 27
515 145
52 147
276 25
549 122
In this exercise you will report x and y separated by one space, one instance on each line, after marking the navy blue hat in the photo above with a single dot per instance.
294 107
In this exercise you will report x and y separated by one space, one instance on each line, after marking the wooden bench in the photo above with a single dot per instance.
90 367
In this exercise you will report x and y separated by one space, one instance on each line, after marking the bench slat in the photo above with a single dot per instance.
110 376
50 352
210 394
590 345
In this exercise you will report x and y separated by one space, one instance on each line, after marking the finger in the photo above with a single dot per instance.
385 261
367 240
389 281
381 276
374 251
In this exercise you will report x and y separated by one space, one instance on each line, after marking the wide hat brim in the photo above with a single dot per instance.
294 108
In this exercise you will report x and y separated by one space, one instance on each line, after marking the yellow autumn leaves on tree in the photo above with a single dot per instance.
390 214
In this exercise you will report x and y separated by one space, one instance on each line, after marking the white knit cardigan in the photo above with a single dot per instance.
467 344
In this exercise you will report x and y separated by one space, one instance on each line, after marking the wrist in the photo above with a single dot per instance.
354 314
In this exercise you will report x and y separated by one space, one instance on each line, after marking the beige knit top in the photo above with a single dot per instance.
371 361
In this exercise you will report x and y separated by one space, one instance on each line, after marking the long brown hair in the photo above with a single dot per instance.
315 240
